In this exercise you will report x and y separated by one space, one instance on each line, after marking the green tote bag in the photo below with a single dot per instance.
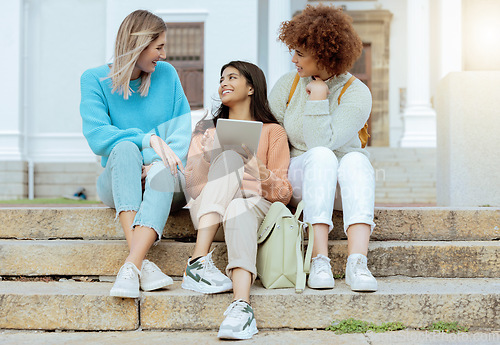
280 253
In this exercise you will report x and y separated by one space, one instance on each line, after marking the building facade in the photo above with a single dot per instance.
410 45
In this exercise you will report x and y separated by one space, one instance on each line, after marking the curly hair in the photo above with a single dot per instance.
327 34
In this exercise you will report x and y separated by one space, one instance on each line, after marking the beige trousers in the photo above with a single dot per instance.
241 212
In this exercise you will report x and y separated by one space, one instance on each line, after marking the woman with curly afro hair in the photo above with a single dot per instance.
322 109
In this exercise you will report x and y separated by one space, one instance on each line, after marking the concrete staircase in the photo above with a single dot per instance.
432 264
404 175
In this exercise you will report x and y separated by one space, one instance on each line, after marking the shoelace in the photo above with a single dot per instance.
235 310
127 272
360 268
149 267
209 265
321 265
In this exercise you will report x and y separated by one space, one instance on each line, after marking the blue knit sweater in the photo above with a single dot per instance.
109 119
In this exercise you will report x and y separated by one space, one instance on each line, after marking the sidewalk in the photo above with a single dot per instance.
263 337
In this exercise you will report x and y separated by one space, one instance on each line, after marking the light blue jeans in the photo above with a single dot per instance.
120 187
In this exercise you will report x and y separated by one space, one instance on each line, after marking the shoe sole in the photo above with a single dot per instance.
366 287
227 334
188 285
363 287
322 286
124 293
156 285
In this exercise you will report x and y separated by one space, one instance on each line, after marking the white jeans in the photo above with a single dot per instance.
314 176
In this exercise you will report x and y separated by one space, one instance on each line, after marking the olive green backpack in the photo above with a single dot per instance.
280 253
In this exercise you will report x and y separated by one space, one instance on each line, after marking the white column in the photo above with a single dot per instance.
11 95
450 17
419 118
278 55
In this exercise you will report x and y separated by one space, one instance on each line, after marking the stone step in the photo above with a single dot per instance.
416 302
466 259
407 224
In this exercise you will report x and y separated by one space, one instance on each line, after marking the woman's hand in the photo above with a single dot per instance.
317 89
207 146
169 158
254 166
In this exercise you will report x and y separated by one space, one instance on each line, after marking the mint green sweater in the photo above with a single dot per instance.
322 123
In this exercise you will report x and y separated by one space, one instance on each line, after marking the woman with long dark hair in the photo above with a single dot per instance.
235 190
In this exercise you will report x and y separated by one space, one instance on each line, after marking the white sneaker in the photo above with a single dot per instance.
239 322
357 274
202 276
152 277
127 282
320 275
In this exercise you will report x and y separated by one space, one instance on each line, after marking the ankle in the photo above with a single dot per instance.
193 259
197 254
135 263
246 300
356 256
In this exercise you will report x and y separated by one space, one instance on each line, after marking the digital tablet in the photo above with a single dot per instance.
233 133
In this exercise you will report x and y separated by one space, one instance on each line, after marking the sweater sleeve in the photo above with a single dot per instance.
277 187
332 126
101 135
197 167
179 129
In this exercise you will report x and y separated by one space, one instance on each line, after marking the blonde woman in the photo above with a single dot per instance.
137 118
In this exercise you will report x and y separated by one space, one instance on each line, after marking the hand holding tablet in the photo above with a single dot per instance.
232 134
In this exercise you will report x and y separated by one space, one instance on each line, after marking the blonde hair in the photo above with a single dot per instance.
136 32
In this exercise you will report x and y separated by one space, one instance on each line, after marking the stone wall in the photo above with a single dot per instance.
13 180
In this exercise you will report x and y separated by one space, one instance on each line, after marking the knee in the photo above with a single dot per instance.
321 156
235 208
355 161
126 149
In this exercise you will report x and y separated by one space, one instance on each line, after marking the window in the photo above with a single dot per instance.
185 52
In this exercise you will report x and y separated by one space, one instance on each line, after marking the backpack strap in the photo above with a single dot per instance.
363 132
349 82
303 264
292 90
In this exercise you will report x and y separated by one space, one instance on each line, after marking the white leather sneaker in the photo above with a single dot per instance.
152 277
127 282
320 275
357 274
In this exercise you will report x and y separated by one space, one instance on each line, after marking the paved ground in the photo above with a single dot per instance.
264 337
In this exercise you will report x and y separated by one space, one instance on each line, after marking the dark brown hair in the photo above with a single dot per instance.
259 106
326 33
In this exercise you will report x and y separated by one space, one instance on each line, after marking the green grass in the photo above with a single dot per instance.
446 327
339 275
357 326
48 201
